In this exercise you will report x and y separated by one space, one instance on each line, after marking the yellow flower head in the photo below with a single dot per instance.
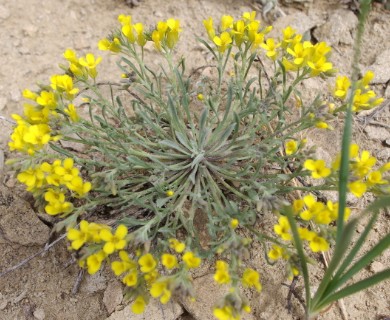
234 223
282 229
107 45
221 275
114 241
226 22
358 188
191 260
318 168
160 289
94 261
276 252
291 147
126 264
223 41
319 244
147 263
138 306
251 278
169 261
208 24
176 245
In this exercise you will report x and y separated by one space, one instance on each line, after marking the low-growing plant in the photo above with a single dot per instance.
128 168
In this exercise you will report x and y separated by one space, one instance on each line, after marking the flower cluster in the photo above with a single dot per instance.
54 181
140 272
165 35
247 31
175 148
363 176
364 97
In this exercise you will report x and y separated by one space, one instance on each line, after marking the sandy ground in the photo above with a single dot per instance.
33 36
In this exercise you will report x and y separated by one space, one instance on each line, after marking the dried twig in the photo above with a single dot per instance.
25 261
292 292
77 284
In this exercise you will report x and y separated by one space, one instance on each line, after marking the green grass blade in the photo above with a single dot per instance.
356 287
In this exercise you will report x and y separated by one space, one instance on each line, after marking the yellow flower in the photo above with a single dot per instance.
139 29
342 86
270 47
221 275
138 306
169 193
322 125
70 56
319 244
234 223
64 84
200 97
314 208
56 202
191 260
288 35
319 66
169 261
160 289
363 164
47 99
107 45
33 178
291 147
147 263
131 278
358 188
29 94
208 24
172 32
282 229
90 63
226 22
72 113
124 265
115 241
77 185
367 78
318 168
176 245
298 205
306 234
124 20
251 278
226 313
94 261
375 177
79 237
223 41
277 252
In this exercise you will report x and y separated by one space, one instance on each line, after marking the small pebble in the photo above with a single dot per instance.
39 314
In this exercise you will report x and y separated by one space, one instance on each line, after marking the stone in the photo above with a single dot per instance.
113 296
39 314
381 69
94 283
377 266
338 29
299 21
208 294
3 102
377 133
4 13
384 155
30 30
15 94
18 222
153 311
